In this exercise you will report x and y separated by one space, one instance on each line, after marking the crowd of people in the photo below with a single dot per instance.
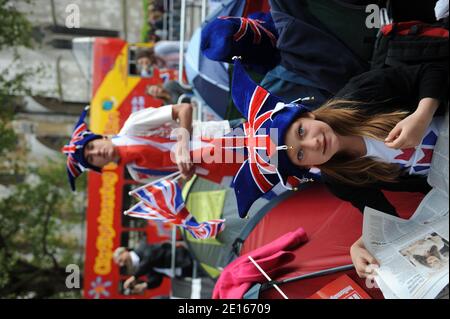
360 135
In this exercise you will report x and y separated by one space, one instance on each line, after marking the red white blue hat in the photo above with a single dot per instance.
76 162
268 119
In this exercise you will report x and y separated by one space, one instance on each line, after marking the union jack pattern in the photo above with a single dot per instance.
255 142
418 160
259 173
255 25
74 168
163 201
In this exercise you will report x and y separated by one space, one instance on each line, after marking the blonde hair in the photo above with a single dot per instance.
119 251
347 118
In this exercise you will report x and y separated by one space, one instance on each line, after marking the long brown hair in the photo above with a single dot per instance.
347 118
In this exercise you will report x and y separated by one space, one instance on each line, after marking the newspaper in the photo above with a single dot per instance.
414 254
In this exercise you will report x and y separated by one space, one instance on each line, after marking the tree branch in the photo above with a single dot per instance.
44 238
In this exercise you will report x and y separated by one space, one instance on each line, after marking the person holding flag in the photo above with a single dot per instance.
146 146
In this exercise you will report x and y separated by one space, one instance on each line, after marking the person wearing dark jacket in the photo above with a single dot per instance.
367 134
154 262
383 91
377 134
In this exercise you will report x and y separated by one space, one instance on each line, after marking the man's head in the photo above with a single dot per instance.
144 60
121 256
156 90
100 152
74 150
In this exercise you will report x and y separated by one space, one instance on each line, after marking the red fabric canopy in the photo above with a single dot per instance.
331 225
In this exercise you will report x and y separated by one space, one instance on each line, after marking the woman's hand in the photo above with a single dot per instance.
409 132
363 261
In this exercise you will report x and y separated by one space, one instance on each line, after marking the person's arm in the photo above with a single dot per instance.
418 89
151 255
154 280
398 88
431 91
129 282
142 122
142 269
183 114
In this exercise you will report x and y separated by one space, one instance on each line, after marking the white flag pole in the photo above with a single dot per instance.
153 182
131 208
176 178
267 277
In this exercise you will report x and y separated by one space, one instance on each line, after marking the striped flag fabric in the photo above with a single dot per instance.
162 200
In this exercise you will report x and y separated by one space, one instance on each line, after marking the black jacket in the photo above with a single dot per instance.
160 256
387 90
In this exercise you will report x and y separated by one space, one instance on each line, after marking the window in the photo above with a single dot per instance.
133 68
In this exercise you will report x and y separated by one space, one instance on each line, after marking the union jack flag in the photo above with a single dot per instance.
256 140
163 201
259 173
418 160
255 25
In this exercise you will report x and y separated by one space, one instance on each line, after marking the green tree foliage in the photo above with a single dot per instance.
15 29
10 88
37 237
38 218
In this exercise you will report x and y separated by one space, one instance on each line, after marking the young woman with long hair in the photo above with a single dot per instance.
377 134
366 139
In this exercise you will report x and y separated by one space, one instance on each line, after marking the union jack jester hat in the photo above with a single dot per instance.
76 162
267 163
252 38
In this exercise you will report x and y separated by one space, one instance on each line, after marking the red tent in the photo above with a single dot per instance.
332 227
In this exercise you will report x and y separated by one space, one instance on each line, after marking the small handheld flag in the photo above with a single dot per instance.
162 200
